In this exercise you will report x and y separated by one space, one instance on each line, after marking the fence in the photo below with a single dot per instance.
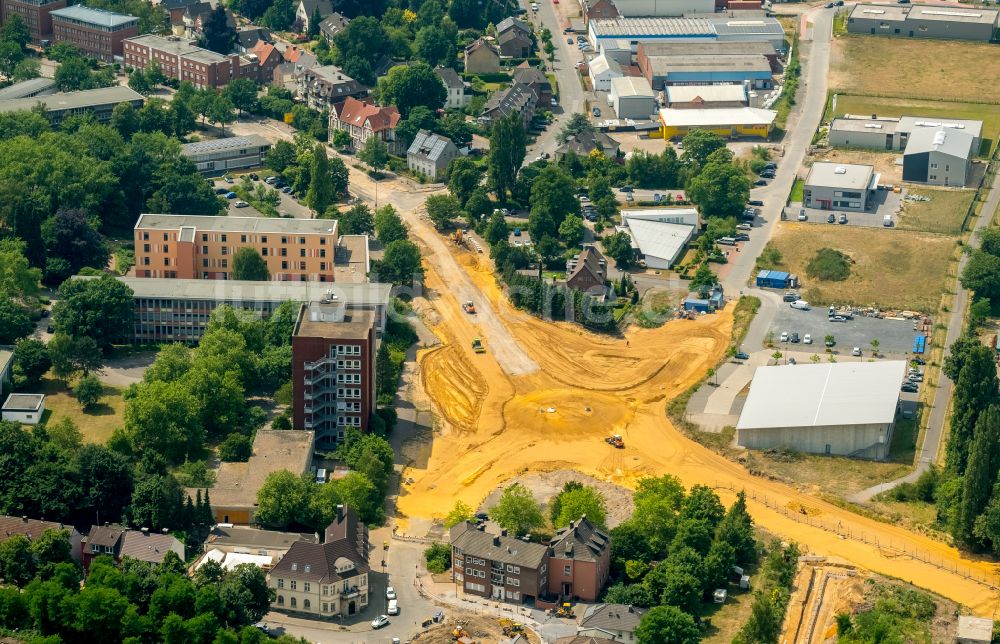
985 183
887 548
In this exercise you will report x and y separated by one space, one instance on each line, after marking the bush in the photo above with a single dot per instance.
88 391
282 422
829 265
438 557
283 395
236 448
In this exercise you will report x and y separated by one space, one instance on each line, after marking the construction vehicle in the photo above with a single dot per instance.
457 237
469 307
510 627
615 441
566 610
477 345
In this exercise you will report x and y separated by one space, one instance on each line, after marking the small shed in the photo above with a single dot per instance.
773 279
24 408
696 304
974 630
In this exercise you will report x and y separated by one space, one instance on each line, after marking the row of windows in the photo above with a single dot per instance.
511 581
348 364
292 583
224 237
348 349
477 587
476 561
349 421
348 378
472 572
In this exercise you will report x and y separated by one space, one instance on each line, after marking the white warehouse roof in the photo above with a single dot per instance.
658 239
707 93
725 116
628 86
823 395
849 176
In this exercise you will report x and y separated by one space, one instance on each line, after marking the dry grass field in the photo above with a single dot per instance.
935 69
891 268
97 424
944 212
988 113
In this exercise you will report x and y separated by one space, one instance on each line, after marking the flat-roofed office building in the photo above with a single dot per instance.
99 102
95 32
232 153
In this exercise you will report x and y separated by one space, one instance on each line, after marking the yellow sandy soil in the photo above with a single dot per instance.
588 386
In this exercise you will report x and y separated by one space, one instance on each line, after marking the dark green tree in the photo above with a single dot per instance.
88 392
31 361
464 176
249 265
508 144
356 220
980 474
699 144
667 624
375 154
15 321
618 246
217 34
517 510
496 229
442 209
236 448
99 308
389 227
975 389
400 263
321 193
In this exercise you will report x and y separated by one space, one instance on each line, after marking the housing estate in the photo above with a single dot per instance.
192 246
95 32
481 57
34 528
924 21
457 98
323 87
218 156
660 235
120 542
843 408
27 409
730 122
333 370
234 495
99 102
587 270
840 186
364 120
325 580
36 15
181 59
430 154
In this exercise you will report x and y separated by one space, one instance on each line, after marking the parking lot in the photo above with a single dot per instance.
884 202
895 337
288 204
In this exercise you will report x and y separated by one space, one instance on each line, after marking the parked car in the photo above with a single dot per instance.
755 202
770 165
843 218
287 190
801 305
790 296
596 112
254 176
837 318
807 339
767 174
742 356
228 179
380 621
909 388
856 351
760 182
390 592
393 608
831 218
803 216
743 226
794 338
569 41
626 189
221 191
741 237
230 195
916 360
241 204
784 336
270 179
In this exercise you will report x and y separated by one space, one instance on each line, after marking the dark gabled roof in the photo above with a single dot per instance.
324 6
588 261
513 99
319 562
511 22
481 43
105 535
333 24
430 146
584 639
612 617
512 35
449 77
497 547
31 528
530 76
582 540
236 536
586 142
169 5
149 546
247 38
348 528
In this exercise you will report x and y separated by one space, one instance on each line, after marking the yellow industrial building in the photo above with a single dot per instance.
730 122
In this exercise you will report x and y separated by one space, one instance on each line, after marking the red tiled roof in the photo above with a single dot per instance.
263 50
292 54
357 113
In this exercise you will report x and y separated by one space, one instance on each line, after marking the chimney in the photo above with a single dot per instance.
503 532
165 531
496 540
145 531
630 609
582 517
571 524
340 512
24 518
874 116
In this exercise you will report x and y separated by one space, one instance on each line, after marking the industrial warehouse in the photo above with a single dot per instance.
841 408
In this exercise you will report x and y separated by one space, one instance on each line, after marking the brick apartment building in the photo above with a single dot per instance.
193 246
36 15
498 567
574 564
181 59
333 370
95 32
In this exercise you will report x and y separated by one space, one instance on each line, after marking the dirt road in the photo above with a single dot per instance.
498 422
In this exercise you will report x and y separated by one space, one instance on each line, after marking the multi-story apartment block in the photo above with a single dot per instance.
364 120
95 32
36 15
498 567
181 59
193 246
323 87
333 371
328 579
178 310
579 561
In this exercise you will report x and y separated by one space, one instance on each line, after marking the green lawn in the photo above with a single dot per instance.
97 424
893 107
797 189
944 213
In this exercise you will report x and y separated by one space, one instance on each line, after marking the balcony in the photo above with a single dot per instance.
351 593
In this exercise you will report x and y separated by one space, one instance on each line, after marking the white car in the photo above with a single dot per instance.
856 351
393 608
784 336
807 339
241 204
801 305
380 621
390 592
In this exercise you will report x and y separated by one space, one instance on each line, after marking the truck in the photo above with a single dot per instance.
469 307
477 345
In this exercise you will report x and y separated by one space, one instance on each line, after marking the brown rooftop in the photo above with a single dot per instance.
31 528
333 321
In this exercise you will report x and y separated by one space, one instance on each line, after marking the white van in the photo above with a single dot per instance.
393 607
887 221
801 305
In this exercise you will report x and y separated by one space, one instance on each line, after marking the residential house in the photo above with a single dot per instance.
517 98
514 38
296 61
120 542
580 554
482 57
584 639
430 154
599 10
457 98
34 528
325 580
536 79
498 567
332 25
322 87
175 14
246 39
616 622
584 143
306 9
268 59
363 120
231 546
588 270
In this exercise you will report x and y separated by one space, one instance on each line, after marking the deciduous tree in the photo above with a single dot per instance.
249 265
389 227
667 624
517 510
400 263
508 143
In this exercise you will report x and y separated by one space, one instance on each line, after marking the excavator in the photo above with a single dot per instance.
615 441
469 307
477 345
